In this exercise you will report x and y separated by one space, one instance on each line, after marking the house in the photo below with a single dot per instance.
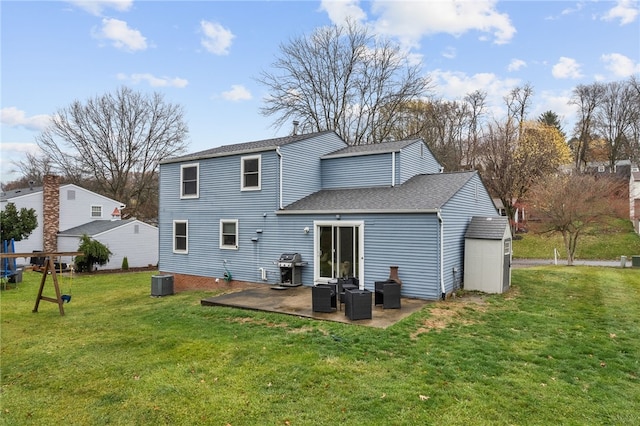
231 213
634 200
64 211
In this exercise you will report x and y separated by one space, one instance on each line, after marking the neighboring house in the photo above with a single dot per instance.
634 200
130 238
621 168
66 207
232 211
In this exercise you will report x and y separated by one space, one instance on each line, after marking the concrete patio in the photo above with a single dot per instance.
297 301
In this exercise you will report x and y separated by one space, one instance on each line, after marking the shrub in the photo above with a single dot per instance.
125 263
94 253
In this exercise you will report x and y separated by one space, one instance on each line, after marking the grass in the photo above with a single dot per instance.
606 242
561 347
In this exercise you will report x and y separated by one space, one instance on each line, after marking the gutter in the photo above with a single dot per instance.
442 289
279 178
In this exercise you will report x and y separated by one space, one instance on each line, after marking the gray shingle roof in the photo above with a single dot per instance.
419 194
487 228
7 195
94 228
376 148
246 147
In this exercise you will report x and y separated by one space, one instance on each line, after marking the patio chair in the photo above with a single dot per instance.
387 294
345 284
323 298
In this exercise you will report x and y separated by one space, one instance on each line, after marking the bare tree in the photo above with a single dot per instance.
116 141
569 204
615 116
586 98
341 78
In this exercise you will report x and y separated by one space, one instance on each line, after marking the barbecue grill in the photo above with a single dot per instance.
290 265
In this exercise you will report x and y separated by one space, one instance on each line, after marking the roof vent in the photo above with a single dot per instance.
295 127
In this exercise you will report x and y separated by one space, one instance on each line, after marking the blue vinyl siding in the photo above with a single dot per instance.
301 171
413 163
456 215
357 171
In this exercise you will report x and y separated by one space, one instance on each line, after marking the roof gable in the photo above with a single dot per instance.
421 193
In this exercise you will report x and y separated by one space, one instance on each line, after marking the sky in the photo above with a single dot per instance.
207 55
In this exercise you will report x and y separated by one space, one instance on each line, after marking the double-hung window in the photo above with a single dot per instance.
96 211
189 185
229 233
180 236
251 179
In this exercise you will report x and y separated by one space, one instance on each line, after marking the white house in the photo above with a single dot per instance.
634 200
64 208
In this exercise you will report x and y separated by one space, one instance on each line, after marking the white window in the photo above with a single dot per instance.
251 179
96 211
601 169
189 185
180 236
229 233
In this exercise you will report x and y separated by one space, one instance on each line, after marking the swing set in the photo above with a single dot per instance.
49 269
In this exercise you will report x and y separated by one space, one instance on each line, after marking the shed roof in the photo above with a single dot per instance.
94 228
421 193
246 147
487 228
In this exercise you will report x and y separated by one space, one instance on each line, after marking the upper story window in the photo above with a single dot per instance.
251 178
96 211
229 233
189 185
180 236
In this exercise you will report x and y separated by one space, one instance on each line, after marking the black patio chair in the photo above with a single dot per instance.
345 284
387 294
323 298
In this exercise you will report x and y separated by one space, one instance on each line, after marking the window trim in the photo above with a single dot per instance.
221 236
242 173
185 166
98 206
186 237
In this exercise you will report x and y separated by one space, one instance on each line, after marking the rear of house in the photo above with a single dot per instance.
347 210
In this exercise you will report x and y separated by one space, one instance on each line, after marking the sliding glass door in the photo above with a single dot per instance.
338 250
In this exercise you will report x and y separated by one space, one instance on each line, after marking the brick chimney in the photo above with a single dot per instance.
50 212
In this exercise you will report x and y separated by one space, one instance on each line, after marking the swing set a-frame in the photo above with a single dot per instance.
49 269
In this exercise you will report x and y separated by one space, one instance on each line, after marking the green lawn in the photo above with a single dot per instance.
606 242
560 348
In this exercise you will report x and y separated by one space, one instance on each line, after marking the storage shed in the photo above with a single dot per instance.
487 255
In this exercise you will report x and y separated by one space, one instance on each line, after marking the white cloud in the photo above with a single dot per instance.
516 64
566 68
624 10
237 93
340 10
95 7
456 85
120 35
217 39
13 152
620 65
14 117
410 21
154 81
449 52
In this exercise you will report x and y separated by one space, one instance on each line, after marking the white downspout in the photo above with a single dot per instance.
393 169
441 222
280 178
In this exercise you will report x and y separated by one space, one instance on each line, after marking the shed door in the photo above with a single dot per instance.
506 273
